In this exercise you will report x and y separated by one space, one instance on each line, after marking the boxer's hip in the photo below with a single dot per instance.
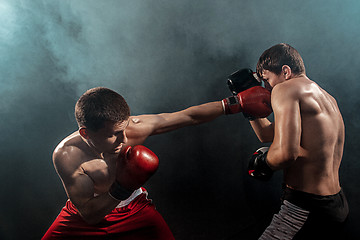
330 207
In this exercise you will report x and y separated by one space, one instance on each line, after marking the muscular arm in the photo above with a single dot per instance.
287 131
264 129
142 126
80 187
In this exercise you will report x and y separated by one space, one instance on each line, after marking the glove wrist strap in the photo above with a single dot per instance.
260 168
263 166
231 105
118 192
249 117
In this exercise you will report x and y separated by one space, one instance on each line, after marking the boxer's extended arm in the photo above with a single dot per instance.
80 188
287 132
142 126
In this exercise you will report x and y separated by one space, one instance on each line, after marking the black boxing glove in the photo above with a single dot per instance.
241 80
258 167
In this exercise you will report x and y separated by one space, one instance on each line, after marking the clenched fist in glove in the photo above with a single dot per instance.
136 165
258 167
254 102
242 79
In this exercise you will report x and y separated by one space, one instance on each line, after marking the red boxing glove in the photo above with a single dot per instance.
255 101
135 166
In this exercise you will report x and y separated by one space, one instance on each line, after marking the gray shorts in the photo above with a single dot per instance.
308 216
287 223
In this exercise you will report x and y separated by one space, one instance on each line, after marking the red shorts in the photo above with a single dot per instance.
138 220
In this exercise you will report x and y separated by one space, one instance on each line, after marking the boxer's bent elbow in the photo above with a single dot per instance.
286 159
278 159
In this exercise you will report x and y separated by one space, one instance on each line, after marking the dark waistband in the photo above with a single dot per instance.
290 191
334 206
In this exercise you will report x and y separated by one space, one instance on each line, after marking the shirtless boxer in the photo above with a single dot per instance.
103 167
307 138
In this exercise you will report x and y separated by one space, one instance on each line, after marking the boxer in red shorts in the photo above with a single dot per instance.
136 220
103 166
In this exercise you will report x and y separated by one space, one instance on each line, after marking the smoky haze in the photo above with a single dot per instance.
163 56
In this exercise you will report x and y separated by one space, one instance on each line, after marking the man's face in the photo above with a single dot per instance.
271 79
110 138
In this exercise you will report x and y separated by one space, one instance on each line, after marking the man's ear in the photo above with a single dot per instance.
286 70
84 132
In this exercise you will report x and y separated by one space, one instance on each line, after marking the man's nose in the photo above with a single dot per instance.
124 138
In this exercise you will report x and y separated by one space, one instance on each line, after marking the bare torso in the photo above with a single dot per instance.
322 139
86 161
87 174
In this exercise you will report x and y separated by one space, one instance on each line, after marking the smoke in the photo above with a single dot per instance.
138 47
162 56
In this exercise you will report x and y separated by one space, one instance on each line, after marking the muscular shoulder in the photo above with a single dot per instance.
68 154
296 89
73 161
134 129
140 120
311 98
283 94
140 127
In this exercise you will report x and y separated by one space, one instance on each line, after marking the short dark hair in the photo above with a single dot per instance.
279 55
98 105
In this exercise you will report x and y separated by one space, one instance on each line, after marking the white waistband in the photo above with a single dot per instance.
125 202
136 193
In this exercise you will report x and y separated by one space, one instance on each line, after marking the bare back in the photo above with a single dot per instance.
316 169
